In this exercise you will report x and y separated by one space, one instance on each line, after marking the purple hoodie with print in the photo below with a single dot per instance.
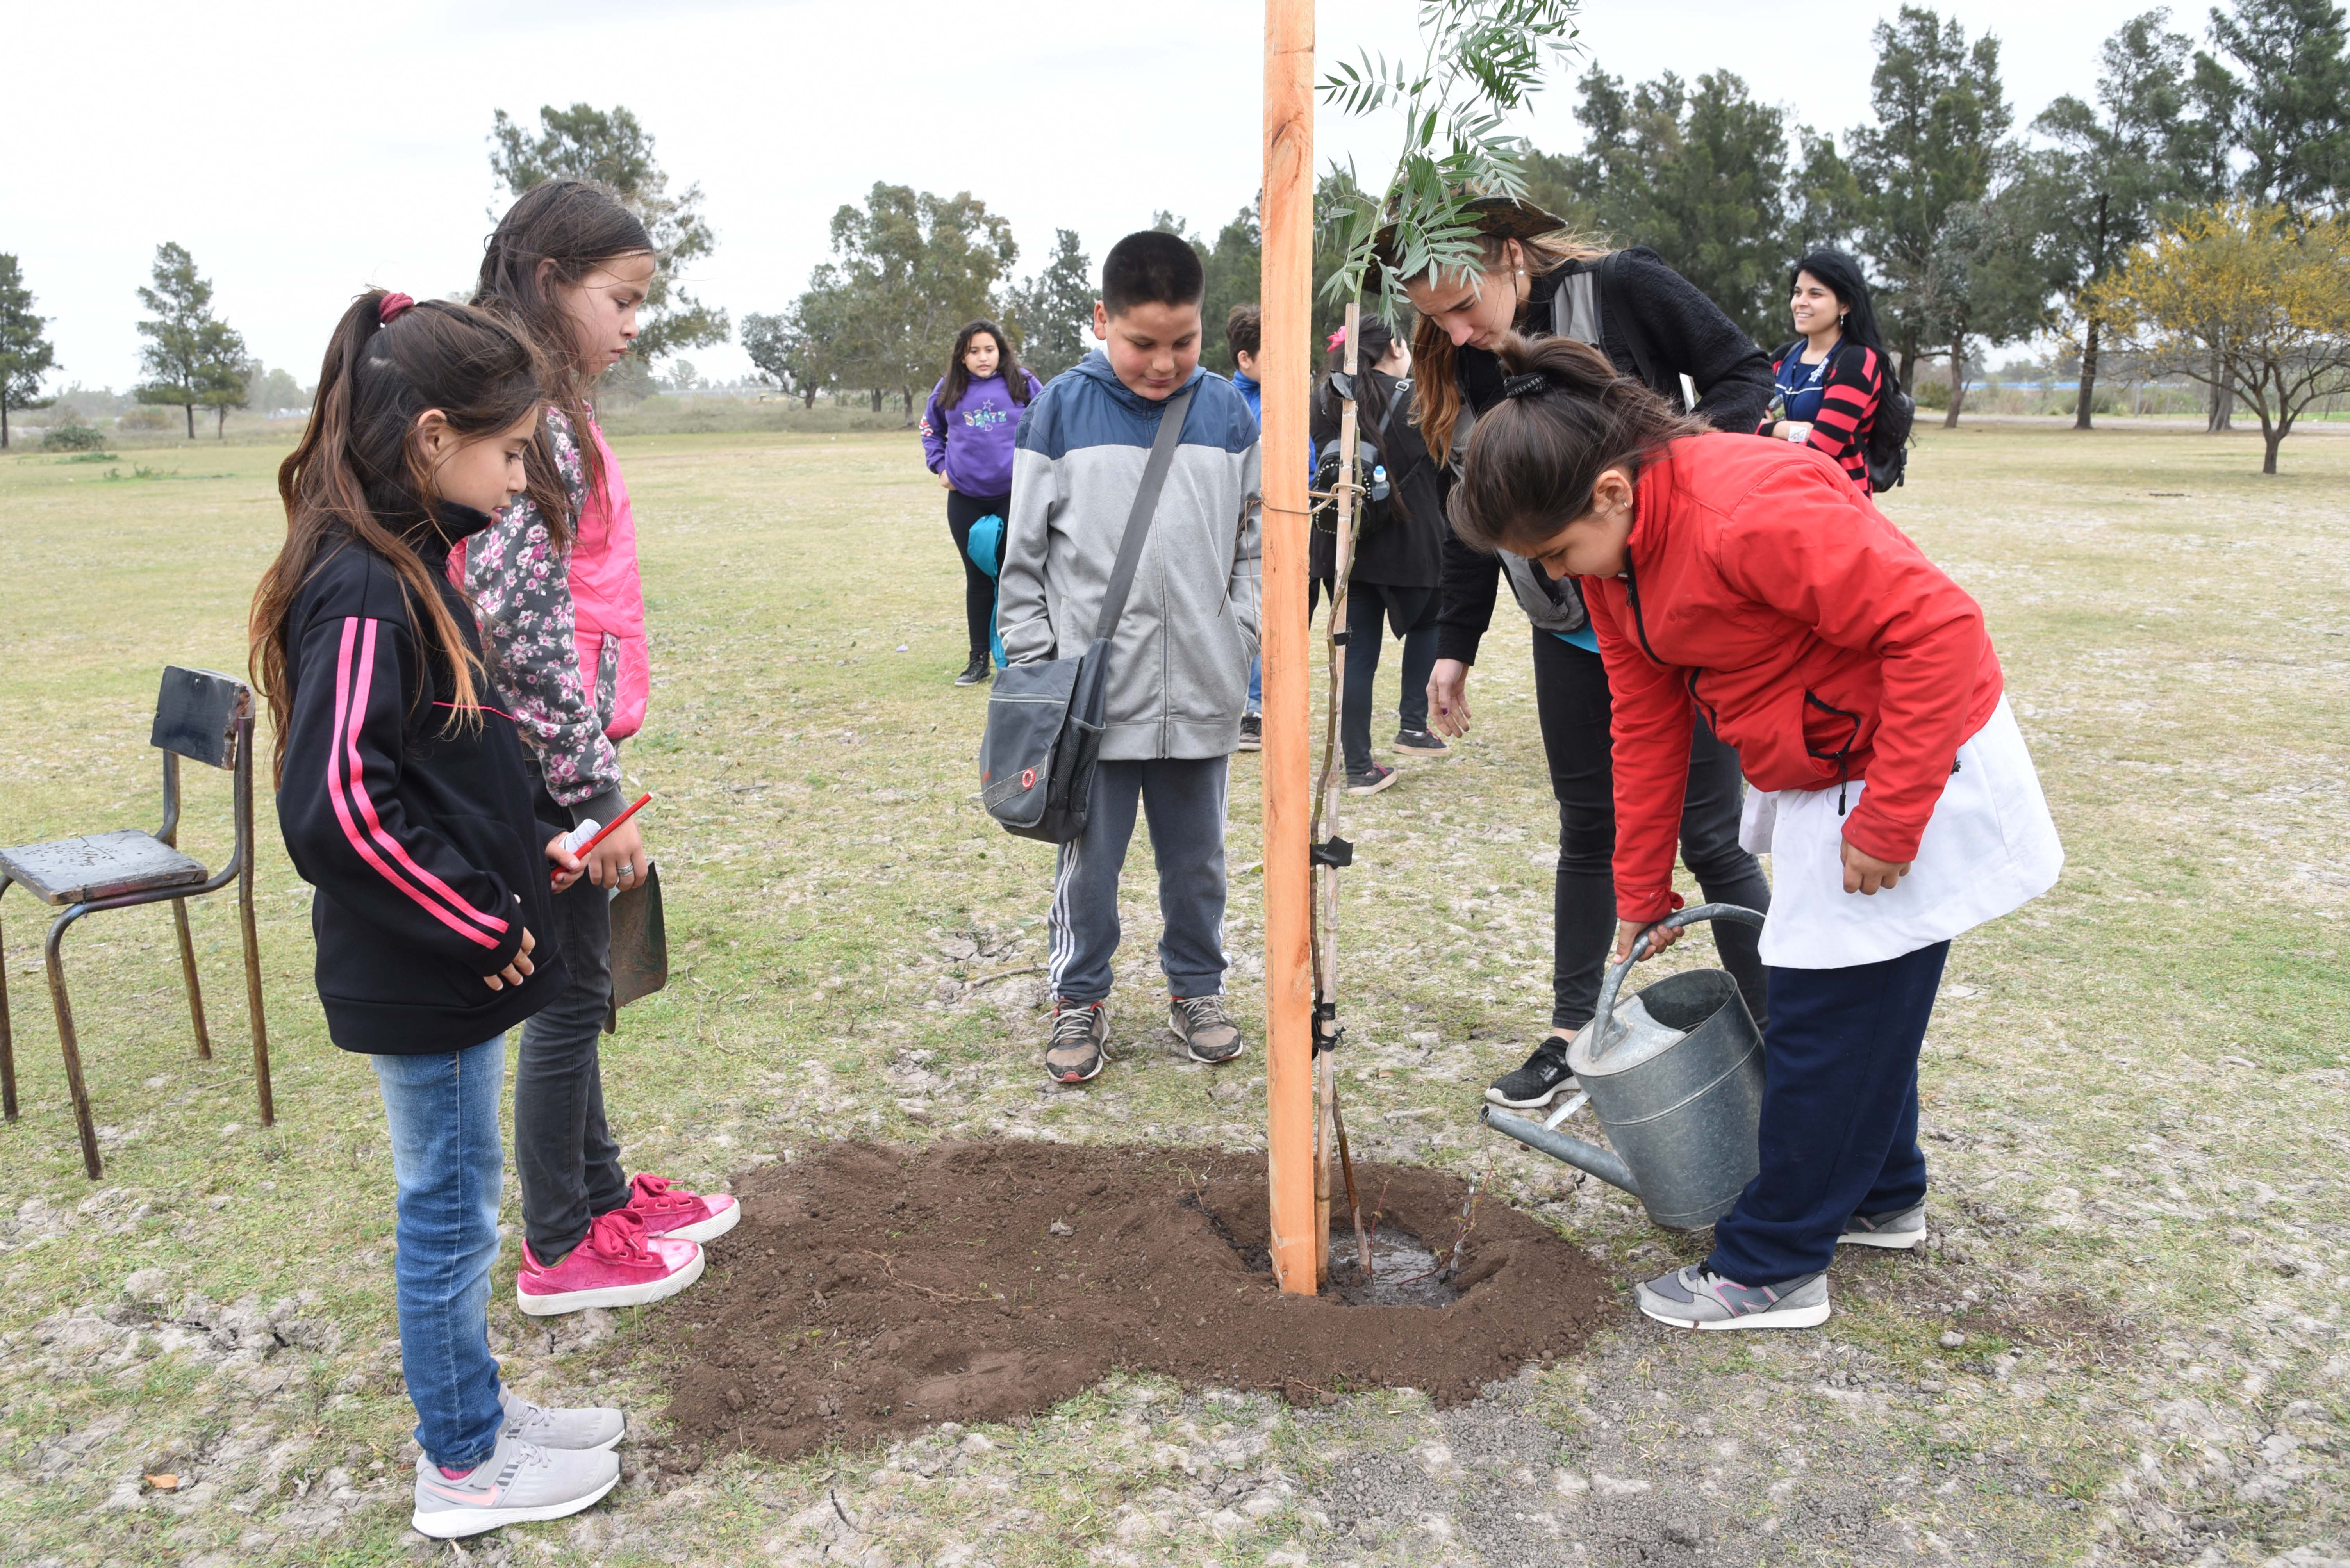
970 443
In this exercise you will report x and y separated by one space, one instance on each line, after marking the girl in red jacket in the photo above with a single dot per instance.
555 582
1749 580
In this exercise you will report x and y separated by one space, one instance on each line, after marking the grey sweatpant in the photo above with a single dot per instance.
1184 801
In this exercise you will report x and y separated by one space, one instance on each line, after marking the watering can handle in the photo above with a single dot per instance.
1606 1011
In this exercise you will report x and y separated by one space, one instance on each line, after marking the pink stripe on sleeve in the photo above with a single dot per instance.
366 807
348 717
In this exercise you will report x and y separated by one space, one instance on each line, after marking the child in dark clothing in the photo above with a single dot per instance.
404 802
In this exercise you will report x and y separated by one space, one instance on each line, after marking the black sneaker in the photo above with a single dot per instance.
1251 732
1371 782
1079 1046
1533 1084
976 672
1422 744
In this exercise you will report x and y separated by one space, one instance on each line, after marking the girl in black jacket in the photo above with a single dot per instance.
403 800
1538 280
1396 563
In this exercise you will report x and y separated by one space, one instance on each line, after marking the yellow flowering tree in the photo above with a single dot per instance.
2242 298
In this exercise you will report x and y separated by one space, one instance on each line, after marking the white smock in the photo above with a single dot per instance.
1989 848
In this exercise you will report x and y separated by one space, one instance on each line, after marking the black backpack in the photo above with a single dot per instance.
1375 507
1886 444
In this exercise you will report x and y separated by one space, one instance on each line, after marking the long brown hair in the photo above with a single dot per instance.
359 468
1535 456
1007 365
1435 369
551 239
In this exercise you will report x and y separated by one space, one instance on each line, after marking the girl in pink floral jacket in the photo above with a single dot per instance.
555 582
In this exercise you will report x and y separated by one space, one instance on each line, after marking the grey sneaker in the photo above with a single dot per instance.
591 1428
1696 1297
518 1482
1372 782
1079 1046
1903 1229
1251 732
1207 1030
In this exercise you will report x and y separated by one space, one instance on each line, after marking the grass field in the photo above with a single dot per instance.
2125 1341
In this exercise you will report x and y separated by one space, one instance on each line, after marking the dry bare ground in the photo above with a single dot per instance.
2122 1342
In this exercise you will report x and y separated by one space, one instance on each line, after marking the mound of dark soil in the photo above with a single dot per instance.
870 1290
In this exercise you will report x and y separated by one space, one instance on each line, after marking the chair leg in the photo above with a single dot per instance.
7 1040
195 988
252 999
70 1044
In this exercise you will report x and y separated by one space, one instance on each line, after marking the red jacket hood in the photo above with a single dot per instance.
1762 588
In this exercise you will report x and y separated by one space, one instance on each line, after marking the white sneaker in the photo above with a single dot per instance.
518 1482
589 1428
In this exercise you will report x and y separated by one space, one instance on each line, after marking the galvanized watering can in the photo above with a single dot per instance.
1675 1076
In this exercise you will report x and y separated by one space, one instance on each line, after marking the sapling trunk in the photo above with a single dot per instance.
1327 793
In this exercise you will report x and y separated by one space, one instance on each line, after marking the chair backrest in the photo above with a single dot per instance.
196 713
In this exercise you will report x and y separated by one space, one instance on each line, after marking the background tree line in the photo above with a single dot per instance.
1978 234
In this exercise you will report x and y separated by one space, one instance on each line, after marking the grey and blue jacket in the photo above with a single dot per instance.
1178 664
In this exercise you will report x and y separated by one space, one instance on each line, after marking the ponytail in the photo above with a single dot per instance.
1535 457
359 468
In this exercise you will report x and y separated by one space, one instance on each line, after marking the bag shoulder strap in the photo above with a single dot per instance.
1611 270
1146 502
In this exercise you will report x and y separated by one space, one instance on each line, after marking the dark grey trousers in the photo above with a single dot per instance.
1184 802
567 1159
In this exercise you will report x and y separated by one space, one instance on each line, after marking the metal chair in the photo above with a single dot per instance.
207 718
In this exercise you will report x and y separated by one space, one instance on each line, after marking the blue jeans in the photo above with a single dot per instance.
1256 686
1839 1133
446 1156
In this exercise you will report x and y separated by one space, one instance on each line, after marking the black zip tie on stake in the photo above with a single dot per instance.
1327 1030
1333 852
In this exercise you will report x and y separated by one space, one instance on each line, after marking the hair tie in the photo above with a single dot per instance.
1532 384
393 308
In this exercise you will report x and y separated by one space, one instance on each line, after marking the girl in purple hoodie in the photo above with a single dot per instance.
967 431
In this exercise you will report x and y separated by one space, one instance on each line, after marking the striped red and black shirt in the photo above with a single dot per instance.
1847 409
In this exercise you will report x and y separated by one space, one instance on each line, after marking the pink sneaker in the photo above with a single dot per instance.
616 1265
677 1215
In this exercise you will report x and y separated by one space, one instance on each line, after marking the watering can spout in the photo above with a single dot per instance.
1582 1155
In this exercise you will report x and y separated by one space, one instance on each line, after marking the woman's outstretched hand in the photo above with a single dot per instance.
515 972
1867 873
1660 937
1448 698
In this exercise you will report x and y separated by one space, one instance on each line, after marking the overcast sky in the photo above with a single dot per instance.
303 151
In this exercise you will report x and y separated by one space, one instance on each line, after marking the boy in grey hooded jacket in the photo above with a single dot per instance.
1179 661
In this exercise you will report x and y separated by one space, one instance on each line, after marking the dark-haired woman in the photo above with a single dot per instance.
555 582
1746 584
1654 326
1830 378
967 430
1396 566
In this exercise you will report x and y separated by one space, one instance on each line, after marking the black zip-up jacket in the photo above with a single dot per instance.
1681 332
414 825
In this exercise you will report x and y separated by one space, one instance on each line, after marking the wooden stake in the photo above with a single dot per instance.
1286 296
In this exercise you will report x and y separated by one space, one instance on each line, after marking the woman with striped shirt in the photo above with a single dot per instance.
1831 378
